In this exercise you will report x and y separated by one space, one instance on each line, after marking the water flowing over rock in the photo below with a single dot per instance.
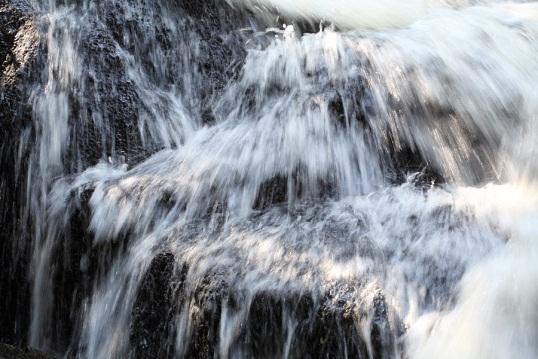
259 179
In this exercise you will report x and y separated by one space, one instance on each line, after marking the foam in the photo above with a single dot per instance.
357 13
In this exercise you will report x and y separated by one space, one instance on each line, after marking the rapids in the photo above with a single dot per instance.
379 171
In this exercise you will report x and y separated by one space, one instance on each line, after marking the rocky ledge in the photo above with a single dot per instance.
10 352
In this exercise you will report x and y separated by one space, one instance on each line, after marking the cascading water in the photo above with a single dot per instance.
367 190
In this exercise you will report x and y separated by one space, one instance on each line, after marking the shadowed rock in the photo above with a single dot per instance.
21 53
105 107
275 324
11 352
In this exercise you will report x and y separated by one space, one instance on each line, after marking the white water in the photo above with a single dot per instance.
496 315
456 263
355 14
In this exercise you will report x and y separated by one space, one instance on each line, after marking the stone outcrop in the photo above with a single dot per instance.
106 86
21 55
105 108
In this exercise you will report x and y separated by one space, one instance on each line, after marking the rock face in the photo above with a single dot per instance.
113 104
10 352
106 104
320 330
21 55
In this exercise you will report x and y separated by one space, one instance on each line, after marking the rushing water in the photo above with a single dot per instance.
306 183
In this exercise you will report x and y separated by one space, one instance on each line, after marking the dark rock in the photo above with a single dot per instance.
221 45
20 55
105 106
281 190
299 323
156 304
11 352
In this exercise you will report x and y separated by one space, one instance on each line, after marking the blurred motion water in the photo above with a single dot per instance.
387 160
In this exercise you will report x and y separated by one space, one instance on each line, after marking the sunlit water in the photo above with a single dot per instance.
322 115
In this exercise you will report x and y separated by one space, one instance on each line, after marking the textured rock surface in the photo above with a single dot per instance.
21 54
10 352
321 329
105 107
106 86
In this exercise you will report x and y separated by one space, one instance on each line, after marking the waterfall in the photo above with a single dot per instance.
211 179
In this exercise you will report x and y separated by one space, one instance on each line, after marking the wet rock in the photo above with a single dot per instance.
152 324
11 352
20 56
20 52
274 323
221 50
105 107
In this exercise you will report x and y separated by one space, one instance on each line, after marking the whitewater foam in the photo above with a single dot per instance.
356 14
294 189
496 315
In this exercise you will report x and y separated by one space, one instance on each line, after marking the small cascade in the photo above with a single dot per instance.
209 179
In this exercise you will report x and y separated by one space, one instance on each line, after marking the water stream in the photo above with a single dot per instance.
385 161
